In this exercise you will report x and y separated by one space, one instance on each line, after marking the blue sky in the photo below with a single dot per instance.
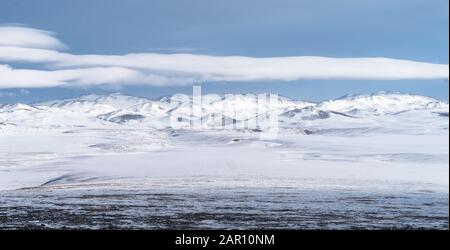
403 29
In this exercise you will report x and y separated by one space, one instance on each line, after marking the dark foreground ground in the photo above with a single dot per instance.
221 208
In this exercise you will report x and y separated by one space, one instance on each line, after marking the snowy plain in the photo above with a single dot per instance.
360 161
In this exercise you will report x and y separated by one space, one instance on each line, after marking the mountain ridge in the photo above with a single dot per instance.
97 110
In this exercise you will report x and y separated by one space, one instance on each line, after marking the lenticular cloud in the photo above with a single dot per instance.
19 36
56 68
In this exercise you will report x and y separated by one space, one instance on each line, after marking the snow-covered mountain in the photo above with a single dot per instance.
382 103
95 104
107 141
94 111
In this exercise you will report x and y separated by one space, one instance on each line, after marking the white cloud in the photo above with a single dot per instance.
20 36
29 78
6 94
178 69
24 92
11 94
